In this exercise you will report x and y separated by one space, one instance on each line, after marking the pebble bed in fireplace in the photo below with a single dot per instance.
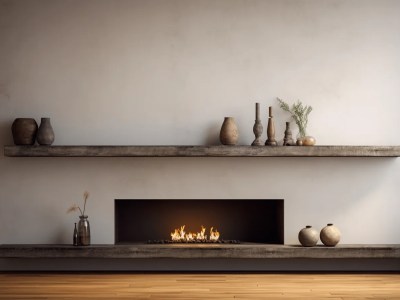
194 242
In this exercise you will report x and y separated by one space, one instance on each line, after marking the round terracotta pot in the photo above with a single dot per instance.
24 131
229 133
330 235
308 236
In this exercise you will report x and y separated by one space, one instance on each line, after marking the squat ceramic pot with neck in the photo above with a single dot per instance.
45 134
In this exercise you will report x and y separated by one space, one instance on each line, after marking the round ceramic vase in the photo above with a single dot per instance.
229 133
24 131
330 235
308 236
309 141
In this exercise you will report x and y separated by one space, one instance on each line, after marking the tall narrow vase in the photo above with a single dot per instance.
229 133
45 134
75 236
271 130
257 128
83 231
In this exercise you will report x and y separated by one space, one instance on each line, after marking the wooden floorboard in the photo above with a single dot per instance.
199 286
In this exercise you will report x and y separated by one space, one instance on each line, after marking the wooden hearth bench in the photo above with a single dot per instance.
181 251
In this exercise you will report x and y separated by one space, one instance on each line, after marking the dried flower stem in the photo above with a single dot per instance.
75 207
85 196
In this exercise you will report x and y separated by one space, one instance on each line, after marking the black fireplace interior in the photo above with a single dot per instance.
249 221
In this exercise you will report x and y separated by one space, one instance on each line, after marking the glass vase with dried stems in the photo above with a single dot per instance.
299 113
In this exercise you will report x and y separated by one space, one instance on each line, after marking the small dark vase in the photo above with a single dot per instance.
83 231
45 134
75 237
24 131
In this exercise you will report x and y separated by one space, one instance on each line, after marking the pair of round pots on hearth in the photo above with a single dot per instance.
329 235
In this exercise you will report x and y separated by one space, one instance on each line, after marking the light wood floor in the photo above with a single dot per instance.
199 286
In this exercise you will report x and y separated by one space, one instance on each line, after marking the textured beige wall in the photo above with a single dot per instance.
168 72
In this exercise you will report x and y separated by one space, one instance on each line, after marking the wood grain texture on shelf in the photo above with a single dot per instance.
202 151
185 251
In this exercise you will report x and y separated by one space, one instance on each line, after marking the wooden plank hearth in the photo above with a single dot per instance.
202 151
181 251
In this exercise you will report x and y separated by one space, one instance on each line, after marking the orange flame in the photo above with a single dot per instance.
214 235
180 235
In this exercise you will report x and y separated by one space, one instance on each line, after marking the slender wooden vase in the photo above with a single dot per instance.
257 128
271 130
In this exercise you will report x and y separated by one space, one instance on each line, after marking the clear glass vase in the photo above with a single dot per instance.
300 137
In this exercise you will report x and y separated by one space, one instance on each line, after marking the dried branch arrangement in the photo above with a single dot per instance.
75 207
299 113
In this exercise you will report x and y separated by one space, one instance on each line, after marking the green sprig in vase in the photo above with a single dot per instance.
299 113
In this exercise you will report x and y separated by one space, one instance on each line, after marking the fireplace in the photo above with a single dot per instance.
236 221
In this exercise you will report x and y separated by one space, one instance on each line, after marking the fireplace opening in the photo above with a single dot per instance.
218 221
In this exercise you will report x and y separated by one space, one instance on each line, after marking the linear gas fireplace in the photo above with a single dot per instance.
199 221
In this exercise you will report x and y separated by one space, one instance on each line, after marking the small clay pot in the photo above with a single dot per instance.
299 142
24 131
309 141
330 235
308 236
229 133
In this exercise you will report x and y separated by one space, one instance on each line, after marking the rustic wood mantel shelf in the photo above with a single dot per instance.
247 251
202 151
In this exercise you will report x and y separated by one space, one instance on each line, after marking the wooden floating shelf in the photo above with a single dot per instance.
248 251
202 151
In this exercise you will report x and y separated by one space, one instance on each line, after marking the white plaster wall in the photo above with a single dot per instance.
167 72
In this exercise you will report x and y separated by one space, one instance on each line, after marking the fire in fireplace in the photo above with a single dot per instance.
199 221
180 235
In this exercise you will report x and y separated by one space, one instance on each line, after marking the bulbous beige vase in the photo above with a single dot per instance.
308 237
330 235
229 133
309 141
